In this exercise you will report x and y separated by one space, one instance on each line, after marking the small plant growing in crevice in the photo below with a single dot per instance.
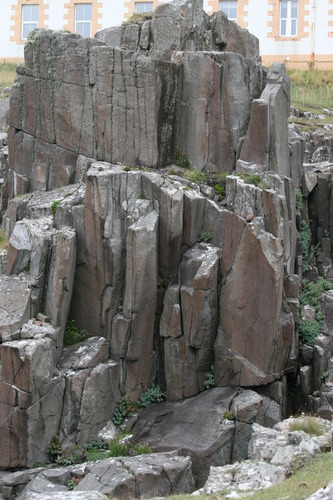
220 190
160 282
54 206
125 408
73 482
195 175
299 199
72 335
138 18
3 239
210 378
311 291
54 450
152 395
227 415
305 242
97 443
204 237
220 184
142 449
117 449
308 330
252 179
324 376
256 180
71 456
181 159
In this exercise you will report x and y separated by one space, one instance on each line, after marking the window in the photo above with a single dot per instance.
29 19
229 7
141 7
83 17
288 17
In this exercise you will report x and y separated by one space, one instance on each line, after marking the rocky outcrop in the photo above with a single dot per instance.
86 105
273 452
145 476
164 277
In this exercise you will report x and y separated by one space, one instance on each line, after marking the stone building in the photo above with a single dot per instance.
297 32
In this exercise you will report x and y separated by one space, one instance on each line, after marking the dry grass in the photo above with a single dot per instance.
7 75
308 424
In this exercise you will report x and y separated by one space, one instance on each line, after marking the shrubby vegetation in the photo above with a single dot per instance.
305 242
210 378
72 335
126 407
96 449
311 291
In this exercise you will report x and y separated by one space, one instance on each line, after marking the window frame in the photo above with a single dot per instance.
83 22
143 11
26 7
230 4
288 20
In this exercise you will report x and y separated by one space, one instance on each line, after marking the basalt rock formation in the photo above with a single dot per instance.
165 278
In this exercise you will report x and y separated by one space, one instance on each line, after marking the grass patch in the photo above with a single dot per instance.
315 474
142 449
3 239
255 179
308 424
7 75
312 88
138 18
93 455
195 175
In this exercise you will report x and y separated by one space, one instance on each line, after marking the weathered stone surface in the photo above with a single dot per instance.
246 407
244 476
28 364
282 445
15 302
99 400
61 279
144 476
87 354
92 389
35 329
277 94
224 129
239 360
306 378
189 345
256 144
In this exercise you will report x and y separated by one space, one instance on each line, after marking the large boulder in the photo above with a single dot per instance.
179 426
